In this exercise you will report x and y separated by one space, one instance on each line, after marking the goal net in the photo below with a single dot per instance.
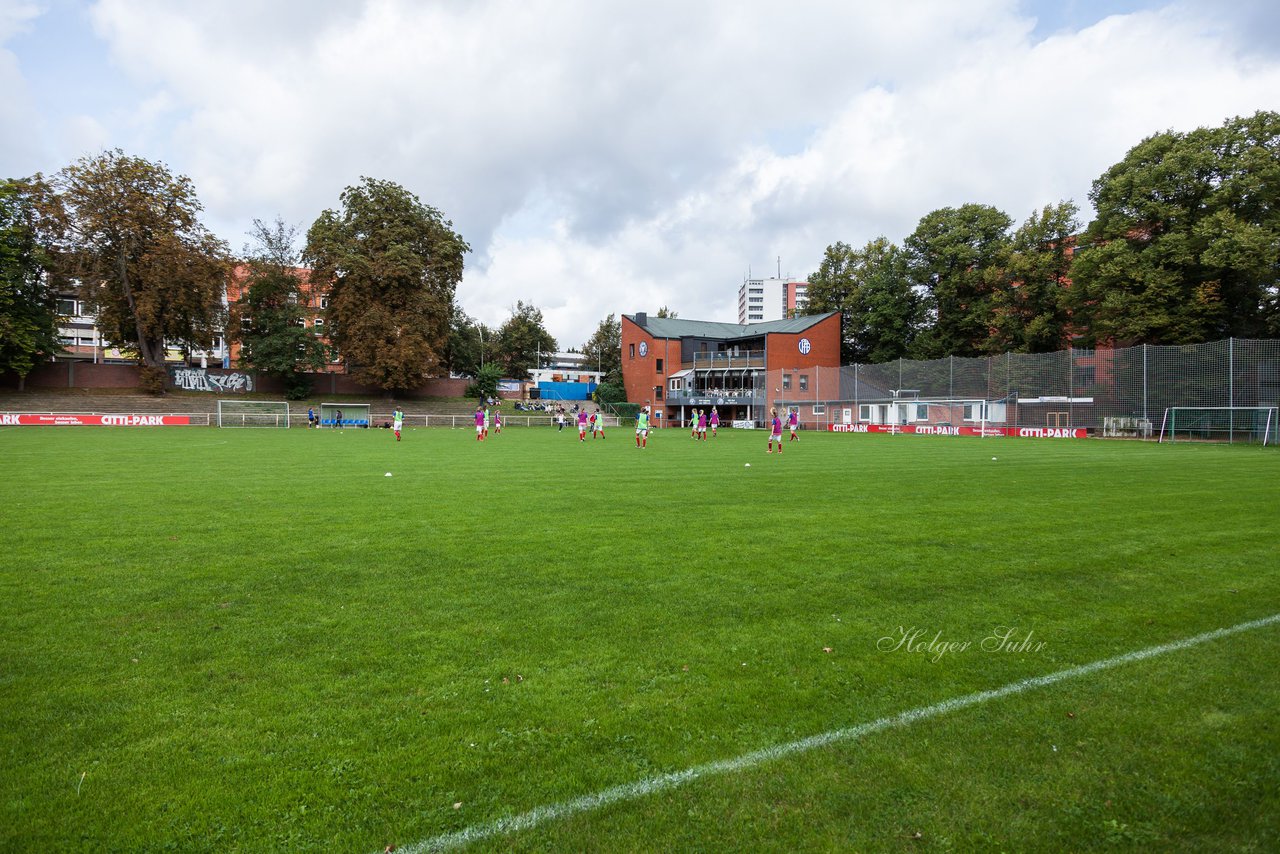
344 414
253 413
1231 424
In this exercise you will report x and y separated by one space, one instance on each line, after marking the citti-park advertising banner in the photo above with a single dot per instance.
939 430
69 420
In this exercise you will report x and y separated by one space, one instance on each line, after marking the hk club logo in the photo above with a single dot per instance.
805 346
644 349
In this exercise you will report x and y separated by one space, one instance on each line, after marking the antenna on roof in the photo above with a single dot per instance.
779 266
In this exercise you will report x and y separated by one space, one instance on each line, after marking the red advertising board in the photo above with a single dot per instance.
938 430
66 420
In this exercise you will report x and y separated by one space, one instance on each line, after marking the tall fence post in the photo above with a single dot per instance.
1145 417
1071 393
1231 389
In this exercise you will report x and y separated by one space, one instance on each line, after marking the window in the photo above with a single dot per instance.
804 382
675 385
757 299
657 392
68 308
922 412
865 412
633 351
819 409
324 302
786 382
659 364
319 321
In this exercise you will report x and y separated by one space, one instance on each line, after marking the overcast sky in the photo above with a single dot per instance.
617 157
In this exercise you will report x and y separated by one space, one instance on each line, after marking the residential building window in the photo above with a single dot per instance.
68 308
804 382
786 382
319 321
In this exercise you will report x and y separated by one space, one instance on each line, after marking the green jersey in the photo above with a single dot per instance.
642 421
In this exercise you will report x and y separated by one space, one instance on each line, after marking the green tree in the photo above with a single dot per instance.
486 382
604 349
521 338
1030 309
880 312
471 344
666 312
28 305
1185 246
393 265
952 257
267 319
128 230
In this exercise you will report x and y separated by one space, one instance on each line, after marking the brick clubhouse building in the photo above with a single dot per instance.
679 366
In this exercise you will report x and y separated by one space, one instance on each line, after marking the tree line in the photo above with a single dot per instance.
124 235
1184 248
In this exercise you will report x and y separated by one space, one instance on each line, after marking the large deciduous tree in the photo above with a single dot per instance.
521 338
953 258
880 311
28 305
268 317
1185 246
129 231
604 349
392 265
1030 307
471 344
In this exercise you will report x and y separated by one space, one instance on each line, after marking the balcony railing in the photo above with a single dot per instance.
726 361
717 397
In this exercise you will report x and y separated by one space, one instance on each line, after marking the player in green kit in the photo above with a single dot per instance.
397 422
642 428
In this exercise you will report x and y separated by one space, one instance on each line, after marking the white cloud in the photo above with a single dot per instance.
608 157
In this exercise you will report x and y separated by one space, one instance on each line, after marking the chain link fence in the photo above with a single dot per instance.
1123 391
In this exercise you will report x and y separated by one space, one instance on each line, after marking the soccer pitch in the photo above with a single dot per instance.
256 640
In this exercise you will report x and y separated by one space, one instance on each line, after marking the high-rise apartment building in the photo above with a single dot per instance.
761 300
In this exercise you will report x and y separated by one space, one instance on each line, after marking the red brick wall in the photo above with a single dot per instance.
782 354
640 373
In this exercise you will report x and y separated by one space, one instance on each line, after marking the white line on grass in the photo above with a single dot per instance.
641 788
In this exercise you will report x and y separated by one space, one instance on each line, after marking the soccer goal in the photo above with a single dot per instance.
1248 424
253 413
344 414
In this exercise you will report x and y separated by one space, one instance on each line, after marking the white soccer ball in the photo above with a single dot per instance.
388 474
746 465
993 459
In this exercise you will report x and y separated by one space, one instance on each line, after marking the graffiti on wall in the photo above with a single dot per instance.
200 379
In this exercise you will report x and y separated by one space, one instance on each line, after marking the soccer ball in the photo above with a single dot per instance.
746 465
388 474
993 459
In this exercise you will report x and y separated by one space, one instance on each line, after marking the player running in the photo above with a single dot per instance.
642 428
793 421
582 425
775 433
397 422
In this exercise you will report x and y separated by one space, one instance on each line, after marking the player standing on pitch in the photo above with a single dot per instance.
597 424
775 432
479 423
793 421
642 428
582 425
397 422
715 422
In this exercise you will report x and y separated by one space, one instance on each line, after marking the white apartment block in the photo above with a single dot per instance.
760 300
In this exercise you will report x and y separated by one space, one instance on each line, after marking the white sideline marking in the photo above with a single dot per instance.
641 788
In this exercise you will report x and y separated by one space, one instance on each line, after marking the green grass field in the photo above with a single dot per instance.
254 640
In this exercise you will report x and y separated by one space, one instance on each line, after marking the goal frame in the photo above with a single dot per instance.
1169 424
256 413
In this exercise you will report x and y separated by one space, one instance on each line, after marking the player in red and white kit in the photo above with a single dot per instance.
582 425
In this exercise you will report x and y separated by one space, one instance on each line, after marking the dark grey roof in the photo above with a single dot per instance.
669 327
